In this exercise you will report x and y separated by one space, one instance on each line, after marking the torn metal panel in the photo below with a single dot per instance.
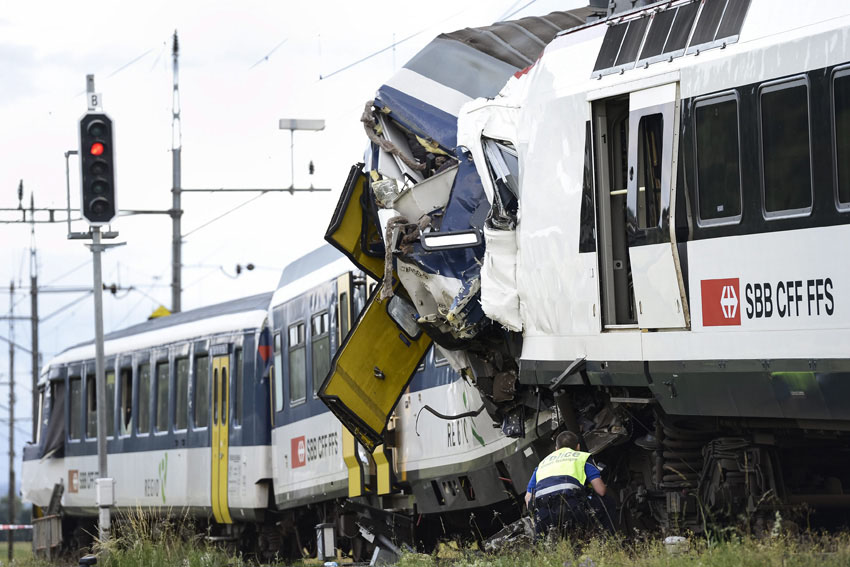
374 366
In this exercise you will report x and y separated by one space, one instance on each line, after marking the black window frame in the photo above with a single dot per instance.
184 407
718 98
770 87
326 334
837 73
196 391
138 389
125 366
302 338
155 418
277 374
76 377
238 375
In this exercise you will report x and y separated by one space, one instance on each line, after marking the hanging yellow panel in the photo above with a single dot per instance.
374 366
349 228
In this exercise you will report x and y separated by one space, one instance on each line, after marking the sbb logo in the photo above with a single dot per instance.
721 302
299 452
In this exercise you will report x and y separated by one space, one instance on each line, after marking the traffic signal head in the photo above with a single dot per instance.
97 169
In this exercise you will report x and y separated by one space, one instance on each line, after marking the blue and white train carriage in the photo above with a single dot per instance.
199 422
186 423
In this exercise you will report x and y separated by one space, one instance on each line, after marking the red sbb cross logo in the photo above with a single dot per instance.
299 452
720 302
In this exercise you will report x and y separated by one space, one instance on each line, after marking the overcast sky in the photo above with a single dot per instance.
243 65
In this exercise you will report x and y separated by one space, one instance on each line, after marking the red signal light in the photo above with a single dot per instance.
96 149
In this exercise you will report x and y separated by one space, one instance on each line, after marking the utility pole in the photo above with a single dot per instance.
11 417
176 211
36 362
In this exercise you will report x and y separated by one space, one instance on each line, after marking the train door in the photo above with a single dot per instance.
220 435
635 144
653 145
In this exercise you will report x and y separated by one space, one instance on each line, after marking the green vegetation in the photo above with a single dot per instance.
773 552
141 540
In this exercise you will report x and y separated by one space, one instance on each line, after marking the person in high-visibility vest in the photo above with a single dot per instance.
557 486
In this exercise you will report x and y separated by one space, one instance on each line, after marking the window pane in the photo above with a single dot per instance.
201 402
785 149
278 374
76 407
144 405
650 145
215 402
237 374
321 360
110 404
718 173
842 136
181 404
343 314
91 407
225 396
162 396
297 374
126 416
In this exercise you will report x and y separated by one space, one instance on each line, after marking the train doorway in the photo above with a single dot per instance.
220 435
635 151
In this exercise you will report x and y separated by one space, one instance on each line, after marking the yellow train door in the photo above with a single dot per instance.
219 441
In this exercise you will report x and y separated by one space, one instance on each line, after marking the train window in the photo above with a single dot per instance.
278 374
162 396
110 403
841 109
237 398
321 346
404 315
181 403
41 393
126 415
297 364
74 431
650 139
785 157
91 407
718 159
144 404
201 403
344 323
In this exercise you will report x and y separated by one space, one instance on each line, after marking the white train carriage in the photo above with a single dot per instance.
186 427
682 188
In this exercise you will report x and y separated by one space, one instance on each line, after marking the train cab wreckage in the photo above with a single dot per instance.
626 232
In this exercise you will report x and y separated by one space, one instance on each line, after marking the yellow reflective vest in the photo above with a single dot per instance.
563 462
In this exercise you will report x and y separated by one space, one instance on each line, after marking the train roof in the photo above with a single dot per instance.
314 268
237 314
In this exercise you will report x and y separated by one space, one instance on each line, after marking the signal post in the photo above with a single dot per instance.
98 207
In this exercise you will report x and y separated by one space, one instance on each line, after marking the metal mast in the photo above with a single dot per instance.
36 363
176 212
11 417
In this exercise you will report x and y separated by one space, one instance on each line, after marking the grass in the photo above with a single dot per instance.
144 541
775 552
